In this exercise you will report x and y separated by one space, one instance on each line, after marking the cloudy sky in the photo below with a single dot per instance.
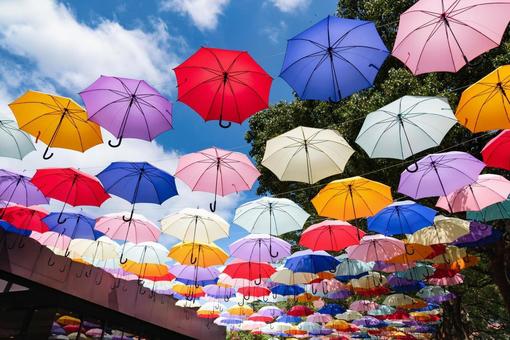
63 46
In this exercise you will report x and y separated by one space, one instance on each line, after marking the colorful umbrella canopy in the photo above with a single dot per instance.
289 277
398 300
300 311
477 231
349 315
308 261
443 36
253 292
12 229
128 108
375 248
55 242
146 252
444 230
487 190
15 143
406 127
190 225
419 272
498 211
307 154
350 268
495 152
56 121
330 235
214 291
331 309
255 247
413 252
249 270
352 198
224 85
240 310
26 218
217 171
318 317
403 217
101 249
198 254
484 105
271 311
16 188
286 290
363 305
339 325
333 59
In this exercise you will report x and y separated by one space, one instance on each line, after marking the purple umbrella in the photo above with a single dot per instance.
440 174
368 321
193 274
127 108
255 247
477 231
16 188
219 292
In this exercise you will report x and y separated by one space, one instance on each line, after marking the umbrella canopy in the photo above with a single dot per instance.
146 252
333 59
350 268
240 310
26 218
190 225
406 127
349 315
300 311
199 276
73 226
55 242
487 190
339 325
214 291
56 121
224 85
253 292
443 36
198 254
403 217
101 249
128 108
495 153
498 211
289 277
286 290
398 300
444 230
307 154
308 261
352 198
138 182
249 270
16 188
363 305
413 252
255 247
330 235
375 248
12 229
318 317
331 309
217 171
15 143
419 272
484 105
271 311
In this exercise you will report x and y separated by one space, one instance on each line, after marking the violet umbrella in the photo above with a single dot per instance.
477 231
127 108
16 188
218 292
256 247
194 275
217 171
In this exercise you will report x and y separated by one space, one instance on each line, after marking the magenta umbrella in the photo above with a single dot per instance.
217 171
375 248
127 108
487 190
444 35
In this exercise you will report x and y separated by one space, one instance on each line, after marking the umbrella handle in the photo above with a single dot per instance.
226 298
51 262
67 253
265 299
275 296
123 259
241 303
246 299
314 291
81 273
21 243
212 206
130 216
60 220
407 252
119 142
88 272
258 281
63 269
141 290
271 252
408 169
47 156
223 125
324 290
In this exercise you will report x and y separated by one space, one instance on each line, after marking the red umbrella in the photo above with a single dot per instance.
300 311
223 85
330 236
252 291
249 270
27 218
496 153
70 186
260 317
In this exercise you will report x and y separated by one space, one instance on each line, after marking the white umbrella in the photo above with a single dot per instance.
288 277
307 154
146 252
15 143
444 230
101 249
195 225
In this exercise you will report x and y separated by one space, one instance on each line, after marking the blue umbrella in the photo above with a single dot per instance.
331 309
333 59
137 182
287 290
75 225
289 318
419 272
12 229
351 269
403 217
308 261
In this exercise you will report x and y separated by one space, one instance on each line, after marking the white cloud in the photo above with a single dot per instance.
275 33
288 6
74 54
203 13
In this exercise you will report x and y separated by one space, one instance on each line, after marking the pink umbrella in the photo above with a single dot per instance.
376 248
489 189
444 35
217 171
447 280
56 242
318 317
363 306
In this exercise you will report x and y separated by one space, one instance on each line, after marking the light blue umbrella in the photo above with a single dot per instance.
15 143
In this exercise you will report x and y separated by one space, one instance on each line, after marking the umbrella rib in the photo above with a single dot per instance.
220 86
435 29
249 87
344 35
202 175
312 55
238 112
137 104
143 101
323 58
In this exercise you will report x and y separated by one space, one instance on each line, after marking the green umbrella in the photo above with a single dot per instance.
498 211
15 143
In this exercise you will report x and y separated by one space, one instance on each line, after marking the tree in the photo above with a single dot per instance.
488 281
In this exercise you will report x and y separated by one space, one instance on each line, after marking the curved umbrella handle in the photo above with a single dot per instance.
408 169
271 252
21 243
81 273
212 206
246 299
258 281
241 303
407 252
63 269
314 291
60 220
265 299
324 290
119 142
223 125
51 262
67 253
130 218
123 259
88 272
47 156
226 298
275 296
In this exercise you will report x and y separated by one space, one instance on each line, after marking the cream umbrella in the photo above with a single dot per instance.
349 315
444 230
397 300
288 277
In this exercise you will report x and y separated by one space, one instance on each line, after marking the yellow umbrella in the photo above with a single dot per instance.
306 297
145 270
198 254
450 255
352 198
68 320
339 325
444 230
240 310
188 290
485 105
56 121
397 300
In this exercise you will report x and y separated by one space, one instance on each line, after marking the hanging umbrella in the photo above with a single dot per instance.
101 249
26 218
333 59
217 171
16 188
240 310
289 277
309 327
330 235
271 311
339 325
368 321
15 143
253 292
70 186
188 303
375 248
146 252
319 318
308 261
127 108
487 190
249 270
363 305
498 211
406 127
300 311
198 276
495 152
12 229
213 290
350 268
287 290
56 121
279 215
477 231
398 300
484 105
55 242
331 309
137 182
210 310
255 247
190 225
403 217
307 154
443 36
382 310
224 85
419 272
349 315
413 252
444 230
198 254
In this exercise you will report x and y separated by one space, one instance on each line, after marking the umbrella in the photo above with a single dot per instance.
444 230
382 310
287 290
190 225
300 311
16 188
15 143
495 152
224 85
127 108
339 325
279 215
276 327
255 247
368 321
331 309
487 190
137 182
477 231
352 198
309 326
101 249
419 272
498 211
319 318
253 292
350 268
289 277
188 303
249 270
363 305
217 171
198 276
198 254
349 315
308 261
55 242
146 252
307 154
403 217
213 290
56 121
70 186
26 218
406 127
375 248
12 229
413 252
484 105
443 36
240 310
330 235
333 59
398 300
271 311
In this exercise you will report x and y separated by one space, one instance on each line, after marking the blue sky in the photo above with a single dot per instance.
62 46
